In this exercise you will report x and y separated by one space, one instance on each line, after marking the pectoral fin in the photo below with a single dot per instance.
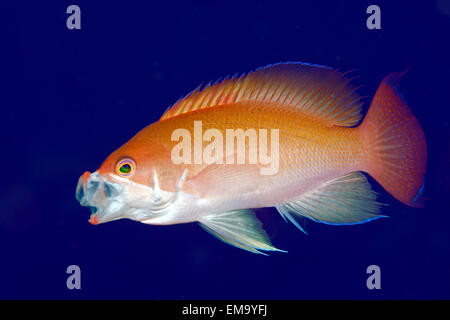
216 180
239 228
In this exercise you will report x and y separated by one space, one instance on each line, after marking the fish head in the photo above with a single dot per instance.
125 186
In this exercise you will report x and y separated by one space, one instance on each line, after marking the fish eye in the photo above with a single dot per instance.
125 167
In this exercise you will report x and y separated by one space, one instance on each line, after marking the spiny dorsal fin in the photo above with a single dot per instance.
318 91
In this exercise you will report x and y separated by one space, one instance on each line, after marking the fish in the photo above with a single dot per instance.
288 135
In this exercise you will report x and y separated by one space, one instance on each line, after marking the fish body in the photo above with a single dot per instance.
287 136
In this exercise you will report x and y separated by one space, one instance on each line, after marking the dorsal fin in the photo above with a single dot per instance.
318 91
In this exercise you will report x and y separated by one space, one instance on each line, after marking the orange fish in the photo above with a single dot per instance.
283 136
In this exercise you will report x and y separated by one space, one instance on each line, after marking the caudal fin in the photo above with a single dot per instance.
395 150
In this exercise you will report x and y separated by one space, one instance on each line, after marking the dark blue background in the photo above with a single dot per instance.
71 97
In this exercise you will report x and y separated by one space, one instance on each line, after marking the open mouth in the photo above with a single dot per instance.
97 194
89 193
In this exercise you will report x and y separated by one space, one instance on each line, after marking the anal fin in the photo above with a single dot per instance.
239 228
342 201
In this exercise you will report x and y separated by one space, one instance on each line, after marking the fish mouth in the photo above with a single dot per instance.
97 194
93 218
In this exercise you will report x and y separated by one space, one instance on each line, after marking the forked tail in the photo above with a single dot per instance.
395 150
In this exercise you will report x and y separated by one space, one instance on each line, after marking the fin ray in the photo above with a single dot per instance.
286 215
239 228
342 201
318 91
229 241
395 145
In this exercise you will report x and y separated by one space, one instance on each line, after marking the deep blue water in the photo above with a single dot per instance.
71 97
